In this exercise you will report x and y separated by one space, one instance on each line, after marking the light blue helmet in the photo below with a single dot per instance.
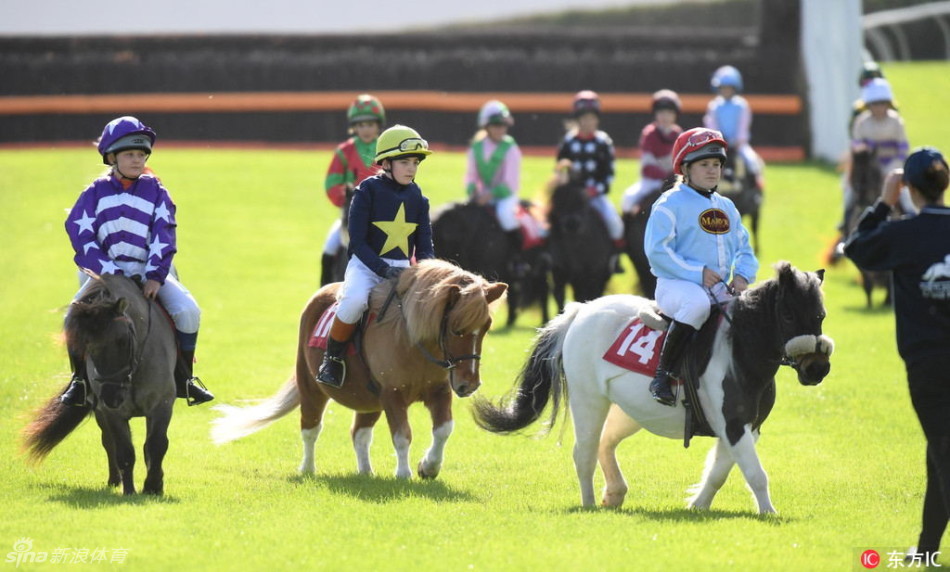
726 76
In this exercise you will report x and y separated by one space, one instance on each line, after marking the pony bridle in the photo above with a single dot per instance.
804 345
448 362
123 375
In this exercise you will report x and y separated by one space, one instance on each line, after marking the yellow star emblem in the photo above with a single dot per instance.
397 232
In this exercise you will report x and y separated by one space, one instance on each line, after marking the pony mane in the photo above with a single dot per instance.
748 308
89 314
92 313
424 292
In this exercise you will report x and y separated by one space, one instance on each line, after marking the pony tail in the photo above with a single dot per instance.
541 380
51 424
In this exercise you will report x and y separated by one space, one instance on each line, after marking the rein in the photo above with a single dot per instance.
448 362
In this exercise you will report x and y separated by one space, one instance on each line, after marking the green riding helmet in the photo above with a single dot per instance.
366 108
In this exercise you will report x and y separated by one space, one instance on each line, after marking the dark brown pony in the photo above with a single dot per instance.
740 185
866 182
130 351
423 347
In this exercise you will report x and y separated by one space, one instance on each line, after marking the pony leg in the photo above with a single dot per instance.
589 416
108 443
745 456
362 435
398 419
619 426
313 403
124 451
718 464
440 408
156 445
308 437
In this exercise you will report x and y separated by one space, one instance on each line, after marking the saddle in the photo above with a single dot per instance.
696 423
356 347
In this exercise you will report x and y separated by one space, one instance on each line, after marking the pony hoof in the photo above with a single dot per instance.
612 501
427 474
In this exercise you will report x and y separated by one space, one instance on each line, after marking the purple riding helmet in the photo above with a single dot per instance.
125 133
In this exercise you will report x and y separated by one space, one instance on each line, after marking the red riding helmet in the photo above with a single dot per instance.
695 144
586 101
666 99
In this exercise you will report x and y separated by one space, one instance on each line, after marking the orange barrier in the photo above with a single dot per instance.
788 154
337 100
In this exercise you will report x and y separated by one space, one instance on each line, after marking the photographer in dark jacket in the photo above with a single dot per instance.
917 251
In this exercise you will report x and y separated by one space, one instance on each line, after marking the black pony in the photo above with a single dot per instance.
333 266
866 181
129 347
579 243
634 229
468 234
741 186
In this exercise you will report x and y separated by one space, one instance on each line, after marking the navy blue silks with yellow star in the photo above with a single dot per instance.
389 220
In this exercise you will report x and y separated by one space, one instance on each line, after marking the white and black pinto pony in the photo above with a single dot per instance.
734 358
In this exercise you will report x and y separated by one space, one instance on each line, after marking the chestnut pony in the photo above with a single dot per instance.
422 345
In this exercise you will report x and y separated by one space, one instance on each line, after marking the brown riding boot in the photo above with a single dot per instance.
333 368
677 338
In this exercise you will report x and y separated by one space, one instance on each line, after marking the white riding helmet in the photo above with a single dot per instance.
876 91
494 112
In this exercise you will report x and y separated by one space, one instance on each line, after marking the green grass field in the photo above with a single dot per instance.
845 458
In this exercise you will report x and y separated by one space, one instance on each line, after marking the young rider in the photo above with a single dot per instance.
656 150
588 153
124 223
352 163
730 114
389 225
494 169
917 250
695 242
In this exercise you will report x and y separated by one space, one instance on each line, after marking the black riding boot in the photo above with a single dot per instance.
326 268
333 368
615 254
75 395
677 337
190 387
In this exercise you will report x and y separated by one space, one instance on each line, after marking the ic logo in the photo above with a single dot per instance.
870 559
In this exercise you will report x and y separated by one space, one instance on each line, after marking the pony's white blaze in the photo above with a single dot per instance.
362 439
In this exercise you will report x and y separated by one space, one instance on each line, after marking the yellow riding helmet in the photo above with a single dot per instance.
399 141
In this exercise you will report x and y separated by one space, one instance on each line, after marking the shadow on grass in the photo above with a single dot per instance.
100 497
384 490
680 515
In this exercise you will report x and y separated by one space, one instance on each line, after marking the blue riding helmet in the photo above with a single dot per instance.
726 76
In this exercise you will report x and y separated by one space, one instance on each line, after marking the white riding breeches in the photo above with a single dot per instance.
688 302
506 210
607 212
333 242
177 300
358 282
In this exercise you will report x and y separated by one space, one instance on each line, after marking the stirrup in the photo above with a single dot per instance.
326 377
69 397
663 393
201 393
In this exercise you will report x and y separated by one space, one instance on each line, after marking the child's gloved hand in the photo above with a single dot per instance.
394 271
